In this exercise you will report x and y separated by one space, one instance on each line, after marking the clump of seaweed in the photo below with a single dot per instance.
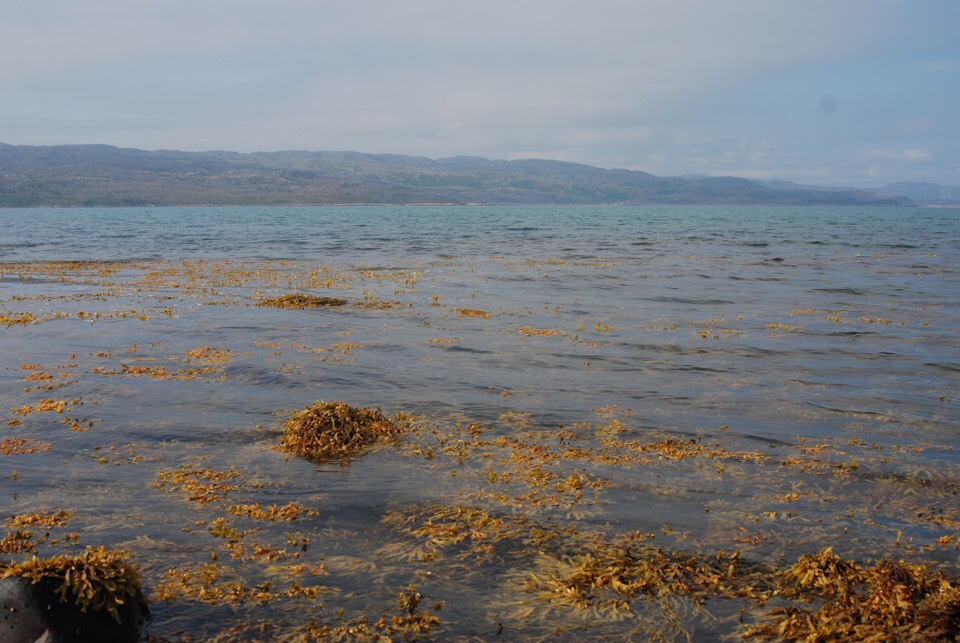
57 519
20 446
201 486
336 430
9 319
472 312
412 624
612 574
99 579
890 601
825 573
288 512
17 542
298 300
209 583
214 584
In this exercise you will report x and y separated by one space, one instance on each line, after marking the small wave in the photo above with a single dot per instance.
950 368
807 383
260 376
464 349
8 247
838 333
846 411
688 300
841 291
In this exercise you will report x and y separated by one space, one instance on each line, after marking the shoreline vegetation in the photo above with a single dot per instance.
516 533
105 176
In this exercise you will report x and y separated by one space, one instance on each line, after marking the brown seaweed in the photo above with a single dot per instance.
336 430
298 300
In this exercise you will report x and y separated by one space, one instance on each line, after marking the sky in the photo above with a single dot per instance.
854 93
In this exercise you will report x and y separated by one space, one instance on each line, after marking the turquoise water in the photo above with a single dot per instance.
751 328
405 233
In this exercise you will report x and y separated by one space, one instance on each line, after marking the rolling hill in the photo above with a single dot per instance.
102 175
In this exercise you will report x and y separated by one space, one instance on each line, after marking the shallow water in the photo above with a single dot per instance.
823 339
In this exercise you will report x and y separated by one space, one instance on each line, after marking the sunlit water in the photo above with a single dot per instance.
749 328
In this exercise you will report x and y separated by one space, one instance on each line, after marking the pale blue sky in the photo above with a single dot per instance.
839 92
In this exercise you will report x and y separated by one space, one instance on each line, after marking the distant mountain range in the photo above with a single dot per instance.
102 175
920 193
926 193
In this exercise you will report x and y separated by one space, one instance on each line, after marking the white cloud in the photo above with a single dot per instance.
900 155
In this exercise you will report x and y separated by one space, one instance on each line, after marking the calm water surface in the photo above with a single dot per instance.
751 329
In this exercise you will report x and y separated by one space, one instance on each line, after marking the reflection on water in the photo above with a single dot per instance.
772 381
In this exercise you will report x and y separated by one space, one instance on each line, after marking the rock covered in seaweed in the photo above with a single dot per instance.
336 430
91 598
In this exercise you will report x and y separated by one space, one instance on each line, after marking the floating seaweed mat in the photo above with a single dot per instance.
298 300
95 596
336 430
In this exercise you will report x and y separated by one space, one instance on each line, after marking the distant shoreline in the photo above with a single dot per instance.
472 205
105 176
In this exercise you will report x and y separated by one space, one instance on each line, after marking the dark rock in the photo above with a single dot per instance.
34 613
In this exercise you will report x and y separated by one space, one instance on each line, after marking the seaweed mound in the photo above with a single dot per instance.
298 300
890 601
336 430
92 597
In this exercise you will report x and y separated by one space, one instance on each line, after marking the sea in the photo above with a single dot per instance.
701 379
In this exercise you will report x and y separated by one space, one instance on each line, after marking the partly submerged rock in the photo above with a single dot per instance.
91 598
